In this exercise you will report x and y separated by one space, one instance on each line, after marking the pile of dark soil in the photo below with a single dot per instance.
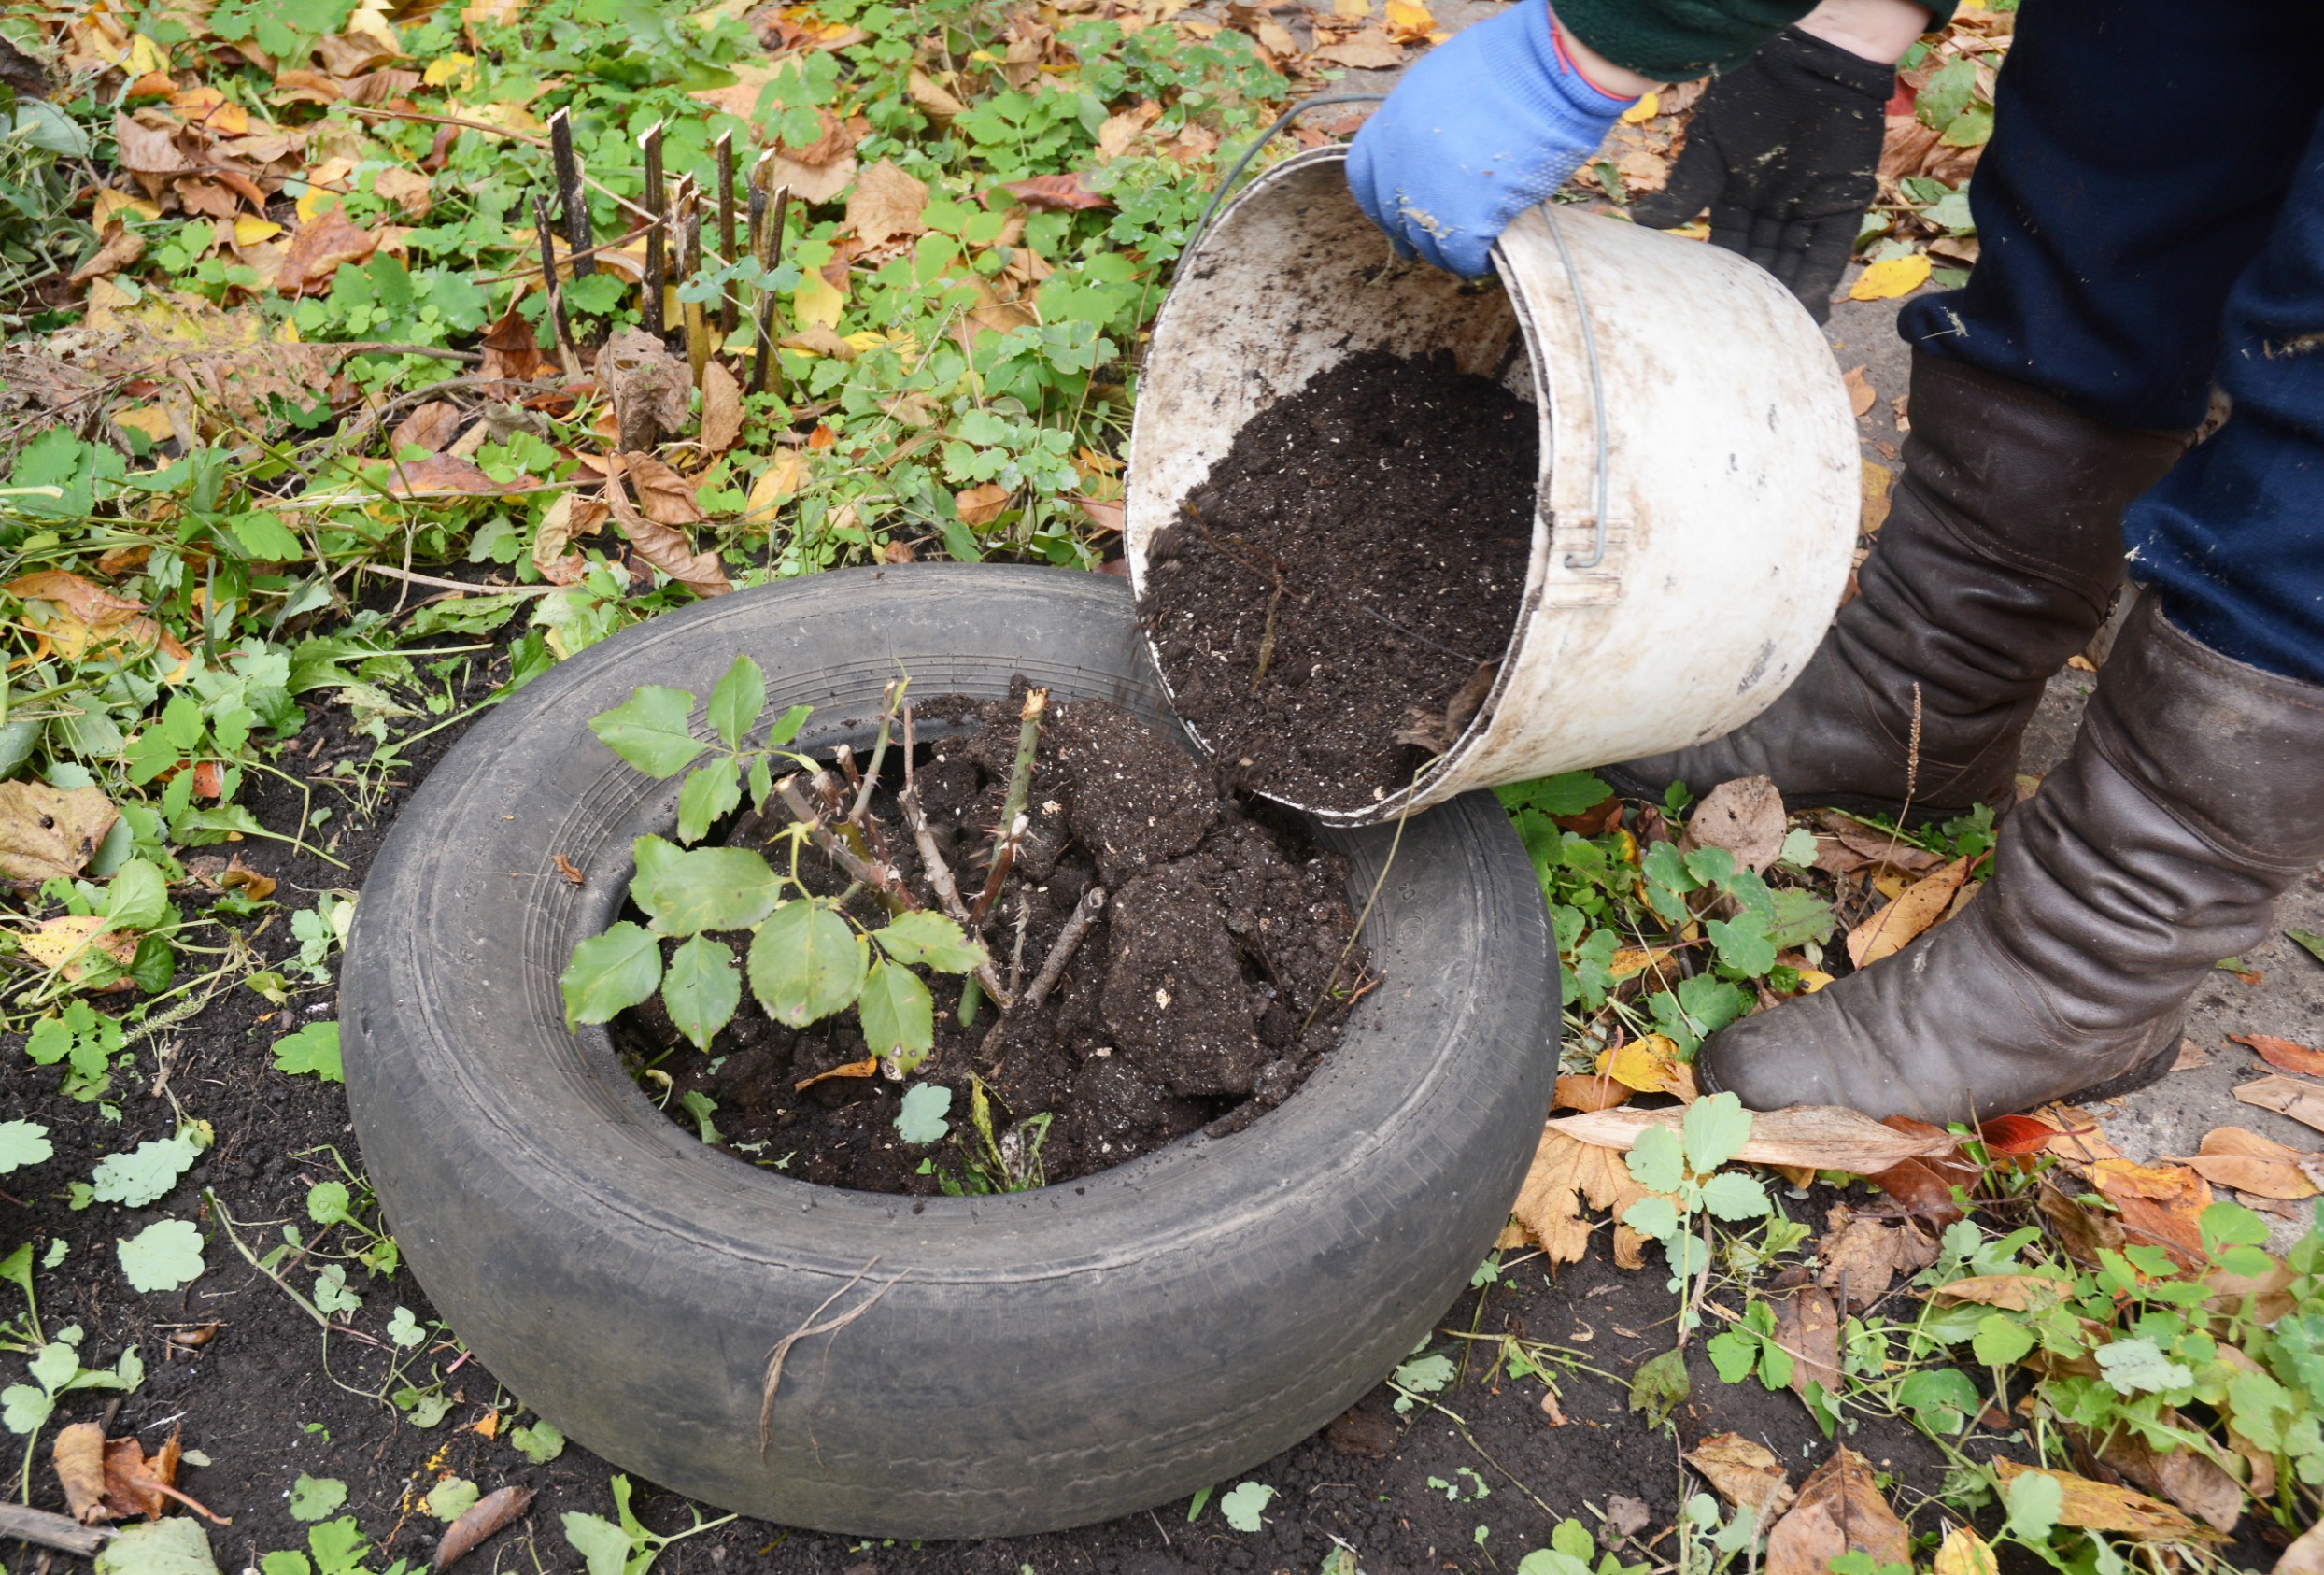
1210 986
1332 606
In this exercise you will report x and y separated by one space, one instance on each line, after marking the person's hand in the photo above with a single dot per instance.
1483 127
1784 152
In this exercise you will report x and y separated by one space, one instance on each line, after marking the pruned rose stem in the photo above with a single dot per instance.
878 875
889 704
1062 951
1012 826
571 204
1016 953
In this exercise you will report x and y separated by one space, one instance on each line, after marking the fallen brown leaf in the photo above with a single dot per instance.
1916 908
722 408
431 427
1564 1174
662 545
1807 1325
78 617
982 503
1864 1256
483 1518
1860 395
2186 1477
2231 1157
2282 1054
1746 817
666 497
119 246
2157 1202
868 1067
568 517
1826 1137
1371 50
932 99
511 348
79 1455
1965 1552
2016 1136
2097 1506
648 387
2287 1096
886 205
1745 1473
1840 1511
1845 846
1925 1184
1057 193
1588 1094
321 245
47 833
440 473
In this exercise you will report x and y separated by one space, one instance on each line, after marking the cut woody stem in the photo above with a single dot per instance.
1013 819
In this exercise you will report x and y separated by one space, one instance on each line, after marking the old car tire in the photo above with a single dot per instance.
1036 1361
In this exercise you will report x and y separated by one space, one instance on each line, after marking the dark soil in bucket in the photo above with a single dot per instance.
1332 605
1212 981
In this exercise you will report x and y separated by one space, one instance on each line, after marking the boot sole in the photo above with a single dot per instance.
2156 1069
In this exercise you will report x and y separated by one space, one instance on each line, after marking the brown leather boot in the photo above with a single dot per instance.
2002 551
2189 802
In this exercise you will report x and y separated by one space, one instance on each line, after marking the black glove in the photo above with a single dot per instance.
1783 151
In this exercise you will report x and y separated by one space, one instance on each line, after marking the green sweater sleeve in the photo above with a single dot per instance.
1678 40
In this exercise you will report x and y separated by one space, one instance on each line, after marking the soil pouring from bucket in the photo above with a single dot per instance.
1335 603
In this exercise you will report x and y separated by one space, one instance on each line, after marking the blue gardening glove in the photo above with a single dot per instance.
1481 128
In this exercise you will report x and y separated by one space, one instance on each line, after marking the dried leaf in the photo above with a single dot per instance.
1886 280
2287 1096
666 497
2157 1202
78 1455
2282 1054
1588 1094
1564 1174
321 245
662 545
776 485
442 473
431 427
481 1519
1865 1255
1807 1325
46 832
511 350
1845 846
1876 480
1925 1184
1745 1473
1965 1552
1746 817
2018 1293
648 387
810 183
1057 193
868 1067
1840 1511
1826 1137
1860 395
1915 909
1371 50
77 616
2186 1477
119 248
886 205
407 188
722 408
1120 132
65 942
2231 1157
2097 1506
1648 1064
982 503
933 100
835 140
568 517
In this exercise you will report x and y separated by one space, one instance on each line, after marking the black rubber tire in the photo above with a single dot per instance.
1046 1359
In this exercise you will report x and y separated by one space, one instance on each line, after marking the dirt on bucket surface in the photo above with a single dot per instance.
1214 980
1332 604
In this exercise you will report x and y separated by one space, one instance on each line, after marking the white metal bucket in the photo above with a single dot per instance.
1676 382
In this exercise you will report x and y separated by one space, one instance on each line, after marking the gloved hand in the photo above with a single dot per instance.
1783 153
1483 127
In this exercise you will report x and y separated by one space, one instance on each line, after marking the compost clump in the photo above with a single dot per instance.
1213 970
1333 604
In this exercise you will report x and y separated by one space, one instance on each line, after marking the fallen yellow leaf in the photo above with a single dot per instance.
47 833
1644 109
64 944
451 70
150 420
776 485
1915 909
2097 1506
1885 280
1566 1173
250 230
816 300
1964 1553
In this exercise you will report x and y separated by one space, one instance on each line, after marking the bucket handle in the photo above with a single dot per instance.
1557 234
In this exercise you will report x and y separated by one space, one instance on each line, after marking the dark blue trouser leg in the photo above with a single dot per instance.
2146 161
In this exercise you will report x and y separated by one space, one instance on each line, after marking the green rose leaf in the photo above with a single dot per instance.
805 964
709 793
737 701
929 940
701 989
898 1017
650 730
707 889
610 972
